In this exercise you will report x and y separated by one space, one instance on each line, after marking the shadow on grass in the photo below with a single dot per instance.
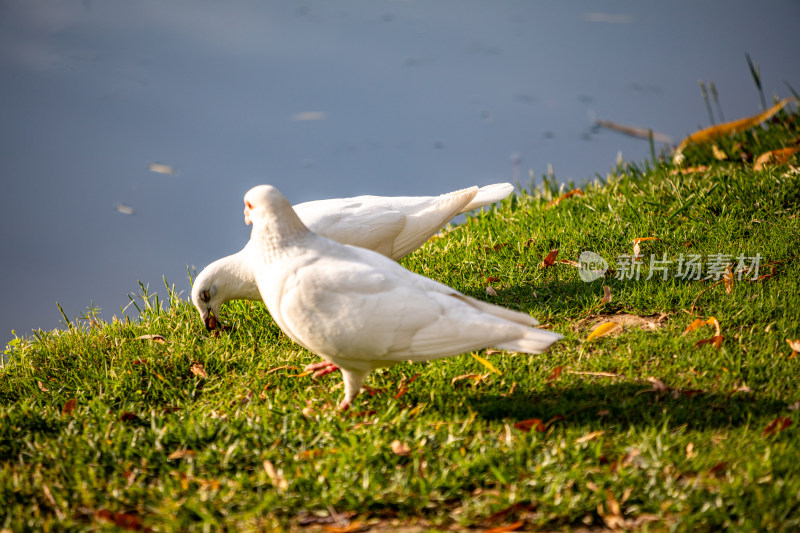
618 404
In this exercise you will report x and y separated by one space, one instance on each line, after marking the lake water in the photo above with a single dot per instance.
323 99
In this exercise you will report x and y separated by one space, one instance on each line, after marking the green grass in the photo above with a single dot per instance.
641 428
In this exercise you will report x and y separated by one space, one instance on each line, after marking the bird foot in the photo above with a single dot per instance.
322 368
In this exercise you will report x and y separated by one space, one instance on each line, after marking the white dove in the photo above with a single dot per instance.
392 226
360 310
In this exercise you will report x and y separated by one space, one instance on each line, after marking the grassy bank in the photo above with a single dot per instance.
157 424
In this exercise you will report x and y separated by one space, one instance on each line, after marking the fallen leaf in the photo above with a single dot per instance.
776 426
276 477
690 453
198 370
728 277
569 262
688 170
589 436
490 291
501 529
555 373
535 423
775 157
42 387
474 377
719 155
487 364
794 345
570 194
128 416
350 528
403 388
658 385
181 454
155 338
637 250
715 341
122 520
400 448
717 468
69 406
603 329
492 279
300 375
550 259
606 295
729 128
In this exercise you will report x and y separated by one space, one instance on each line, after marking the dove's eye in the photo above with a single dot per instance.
204 296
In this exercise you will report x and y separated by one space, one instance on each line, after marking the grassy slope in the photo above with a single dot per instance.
682 440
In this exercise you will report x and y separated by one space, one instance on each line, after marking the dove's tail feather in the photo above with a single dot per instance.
499 311
489 195
534 341
420 226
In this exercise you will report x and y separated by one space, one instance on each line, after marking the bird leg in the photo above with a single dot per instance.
322 368
353 379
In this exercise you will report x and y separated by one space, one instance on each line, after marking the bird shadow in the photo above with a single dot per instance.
621 405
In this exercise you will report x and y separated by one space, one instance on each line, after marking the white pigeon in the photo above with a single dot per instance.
360 310
392 226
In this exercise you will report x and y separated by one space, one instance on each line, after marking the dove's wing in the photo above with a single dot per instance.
369 222
361 310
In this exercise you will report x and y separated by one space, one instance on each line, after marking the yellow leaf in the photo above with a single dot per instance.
696 323
589 436
400 448
603 329
353 526
181 454
735 126
728 277
718 154
794 345
301 374
775 157
487 364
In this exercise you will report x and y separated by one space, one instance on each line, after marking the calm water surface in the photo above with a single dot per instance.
322 99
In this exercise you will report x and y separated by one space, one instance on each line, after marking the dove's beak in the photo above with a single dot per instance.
210 321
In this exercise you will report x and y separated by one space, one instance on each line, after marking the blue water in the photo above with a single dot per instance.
322 99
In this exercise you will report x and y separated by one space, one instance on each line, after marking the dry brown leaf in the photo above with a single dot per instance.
127 521
715 341
42 387
776 426
555 373
794 345
278 481
690 453
637 250
602 330
550 258
155 338
688 170
775 157
718 154
606 295
589 436
570 262
181 454
69 406
535 423
729 128
490 291
634 131
728 277
502 529
570 194
400 448
198 370
475 377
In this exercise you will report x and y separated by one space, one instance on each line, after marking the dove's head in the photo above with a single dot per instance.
271 213
207 297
